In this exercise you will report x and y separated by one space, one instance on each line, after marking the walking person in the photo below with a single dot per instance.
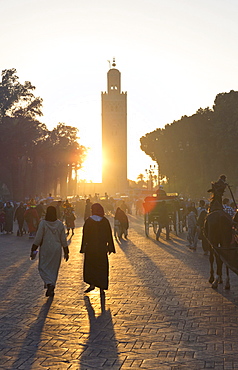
59 210
192 228
19 216
121 220
163 220
40 209
32 219
227 208
87 211
202 213
70 218
2 218
97 243
9 215
50 237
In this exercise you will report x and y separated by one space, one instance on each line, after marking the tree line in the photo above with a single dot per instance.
195 150
34 159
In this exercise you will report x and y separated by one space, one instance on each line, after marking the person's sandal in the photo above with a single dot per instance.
50 291
90 288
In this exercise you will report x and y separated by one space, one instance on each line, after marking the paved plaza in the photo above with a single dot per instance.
160 312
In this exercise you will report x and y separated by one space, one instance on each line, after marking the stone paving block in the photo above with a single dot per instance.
161 312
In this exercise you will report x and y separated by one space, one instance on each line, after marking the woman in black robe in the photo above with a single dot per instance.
97 243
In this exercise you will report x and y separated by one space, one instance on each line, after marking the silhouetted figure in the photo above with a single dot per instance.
32 219
123 223
139 207
87 211
70 218
192 228
163 219
227 208
19 216
50 237
9 214
218 188
40 209
49 199
97 243
202 213
161 193
2 217
59 210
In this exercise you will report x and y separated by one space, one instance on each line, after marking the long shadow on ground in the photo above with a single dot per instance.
101 346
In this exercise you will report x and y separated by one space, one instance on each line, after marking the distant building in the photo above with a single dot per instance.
114 134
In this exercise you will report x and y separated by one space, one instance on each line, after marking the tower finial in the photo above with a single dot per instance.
113 62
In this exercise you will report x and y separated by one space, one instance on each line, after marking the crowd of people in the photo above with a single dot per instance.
29 214
50 222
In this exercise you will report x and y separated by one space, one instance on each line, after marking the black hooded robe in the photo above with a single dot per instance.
97 241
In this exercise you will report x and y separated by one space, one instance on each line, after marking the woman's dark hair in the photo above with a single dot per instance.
51 214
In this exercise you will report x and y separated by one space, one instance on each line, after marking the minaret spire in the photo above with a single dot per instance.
113 62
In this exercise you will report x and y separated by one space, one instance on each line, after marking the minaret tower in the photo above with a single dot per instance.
114 135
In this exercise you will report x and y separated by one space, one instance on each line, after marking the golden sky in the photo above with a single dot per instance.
174 57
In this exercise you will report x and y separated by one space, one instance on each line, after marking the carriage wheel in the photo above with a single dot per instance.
147 225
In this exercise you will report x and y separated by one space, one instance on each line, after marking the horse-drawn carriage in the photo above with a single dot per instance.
221 232
152 212
222 235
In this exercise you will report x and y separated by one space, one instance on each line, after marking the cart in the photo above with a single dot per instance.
151 207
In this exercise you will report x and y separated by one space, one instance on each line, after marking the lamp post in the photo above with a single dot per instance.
152 176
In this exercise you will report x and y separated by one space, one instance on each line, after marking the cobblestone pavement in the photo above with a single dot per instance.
160 312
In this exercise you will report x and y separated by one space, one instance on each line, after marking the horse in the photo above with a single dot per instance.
218 232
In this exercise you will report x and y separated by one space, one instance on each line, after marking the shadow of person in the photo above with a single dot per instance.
101 346
34 333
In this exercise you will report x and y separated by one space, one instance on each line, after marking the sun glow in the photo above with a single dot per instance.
91 170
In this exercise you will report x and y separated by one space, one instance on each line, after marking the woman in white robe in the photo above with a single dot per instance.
50 237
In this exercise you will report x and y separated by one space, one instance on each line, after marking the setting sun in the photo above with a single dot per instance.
91 170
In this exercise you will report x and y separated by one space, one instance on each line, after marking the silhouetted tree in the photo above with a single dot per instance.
34 159
16 99
195 150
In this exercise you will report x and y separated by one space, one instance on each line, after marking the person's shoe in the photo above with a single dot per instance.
50 290
90 288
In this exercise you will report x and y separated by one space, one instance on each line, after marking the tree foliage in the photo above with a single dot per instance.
195 150
35 160
16 99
